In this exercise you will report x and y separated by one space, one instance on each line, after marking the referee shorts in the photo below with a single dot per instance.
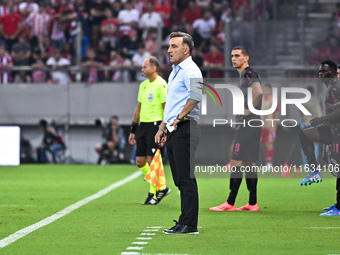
146 145
246 143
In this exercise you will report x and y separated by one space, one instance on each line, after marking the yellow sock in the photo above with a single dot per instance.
153 190
145 168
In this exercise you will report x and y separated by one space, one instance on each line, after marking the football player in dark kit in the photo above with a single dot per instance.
247 138
326 129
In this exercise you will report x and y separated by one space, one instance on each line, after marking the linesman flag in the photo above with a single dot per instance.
156 174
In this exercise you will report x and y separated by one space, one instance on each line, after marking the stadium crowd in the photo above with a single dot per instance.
115 33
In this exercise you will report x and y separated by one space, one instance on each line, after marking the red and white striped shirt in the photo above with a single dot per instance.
39 23
5 76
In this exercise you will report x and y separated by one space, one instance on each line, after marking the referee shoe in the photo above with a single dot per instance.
163 193
150 200
313 177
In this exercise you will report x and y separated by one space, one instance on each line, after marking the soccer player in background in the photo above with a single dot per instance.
326 130
247 139
149 114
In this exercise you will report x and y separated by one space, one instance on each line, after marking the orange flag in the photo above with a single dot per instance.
156 174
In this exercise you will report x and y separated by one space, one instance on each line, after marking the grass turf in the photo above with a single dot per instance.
288 222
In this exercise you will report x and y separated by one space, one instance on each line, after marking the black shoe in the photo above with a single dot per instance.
150 200
162 193
181 229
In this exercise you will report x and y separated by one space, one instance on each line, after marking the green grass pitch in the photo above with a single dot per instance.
287 223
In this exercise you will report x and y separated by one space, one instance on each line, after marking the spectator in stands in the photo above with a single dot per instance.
150 19
22 77
116 7
39 75
151 42
92 61
57 31
129 44
138 60
95 18
53 142
5 61
204 28
68 52
58 64
203 4
127 19
103 52
122 62
21 52
109 28
197 57
212 59
227 15
26 7
164 9
191 13
39 22
165 64
115 140
10 26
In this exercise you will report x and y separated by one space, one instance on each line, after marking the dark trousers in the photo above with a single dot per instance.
181 146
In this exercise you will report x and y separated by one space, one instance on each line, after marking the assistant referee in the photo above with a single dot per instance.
149 114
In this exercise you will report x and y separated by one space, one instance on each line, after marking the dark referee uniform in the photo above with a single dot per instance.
247 139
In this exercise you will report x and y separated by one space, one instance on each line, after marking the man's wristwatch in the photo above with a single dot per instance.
180 119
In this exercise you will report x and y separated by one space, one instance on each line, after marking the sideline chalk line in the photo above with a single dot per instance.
25 231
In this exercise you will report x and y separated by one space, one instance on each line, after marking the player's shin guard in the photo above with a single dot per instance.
338 193
251 179
235 182
308 148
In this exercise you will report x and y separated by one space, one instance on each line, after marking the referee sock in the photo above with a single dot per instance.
145 168
337 194
235 182
308 148
251 180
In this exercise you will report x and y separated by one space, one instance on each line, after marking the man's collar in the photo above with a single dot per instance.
183 64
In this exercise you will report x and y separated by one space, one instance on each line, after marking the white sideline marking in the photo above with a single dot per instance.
140 243
137 248
323 227
25 231
143 238
164 254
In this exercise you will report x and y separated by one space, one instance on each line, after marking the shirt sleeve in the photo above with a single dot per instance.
252 78
162 92
139 97
192 82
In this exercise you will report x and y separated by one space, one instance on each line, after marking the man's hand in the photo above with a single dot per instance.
316 121
174 123
160 138
132 139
